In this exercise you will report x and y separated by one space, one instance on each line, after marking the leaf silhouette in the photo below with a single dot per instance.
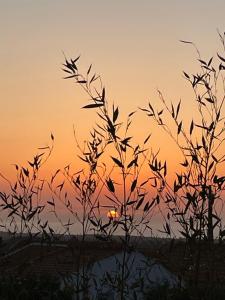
93 105
133 185
220 57
117 161
191 127
115 114
89 69
140 202
179 128
110 185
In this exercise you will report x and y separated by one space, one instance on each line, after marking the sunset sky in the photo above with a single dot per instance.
134 45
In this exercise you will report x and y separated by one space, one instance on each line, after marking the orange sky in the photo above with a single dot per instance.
134 45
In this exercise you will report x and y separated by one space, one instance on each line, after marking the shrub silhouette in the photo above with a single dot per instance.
23 206
196 199
115 164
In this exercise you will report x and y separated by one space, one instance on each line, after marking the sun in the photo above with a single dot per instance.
112 214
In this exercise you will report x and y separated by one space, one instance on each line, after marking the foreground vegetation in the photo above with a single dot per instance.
50 289
111 178
45 288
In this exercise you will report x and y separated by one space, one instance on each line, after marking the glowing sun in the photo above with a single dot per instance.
112 214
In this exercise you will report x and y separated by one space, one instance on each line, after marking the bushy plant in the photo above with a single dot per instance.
195 199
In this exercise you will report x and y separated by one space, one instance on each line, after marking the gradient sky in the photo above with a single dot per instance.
134 45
